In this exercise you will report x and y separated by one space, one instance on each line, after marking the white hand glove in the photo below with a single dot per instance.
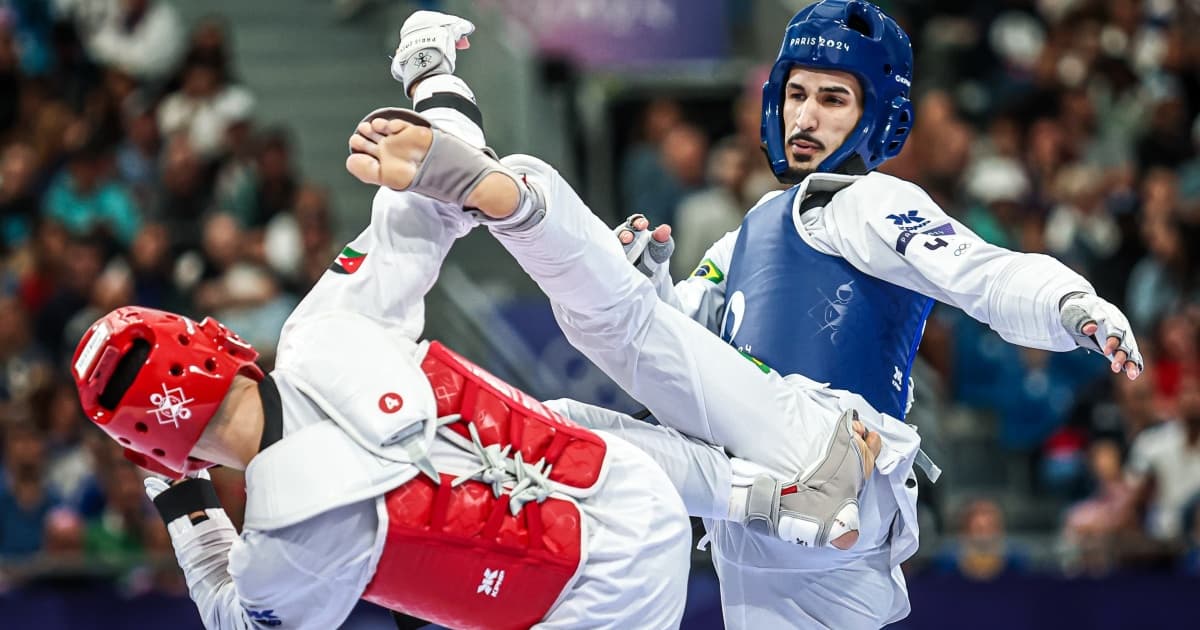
1089 319
643 251
156 485
428 44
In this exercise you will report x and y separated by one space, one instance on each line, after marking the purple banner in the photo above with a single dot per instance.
598 33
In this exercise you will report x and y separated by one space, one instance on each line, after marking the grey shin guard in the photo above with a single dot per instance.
818 508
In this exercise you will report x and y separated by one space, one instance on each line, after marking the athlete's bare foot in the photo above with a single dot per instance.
390 153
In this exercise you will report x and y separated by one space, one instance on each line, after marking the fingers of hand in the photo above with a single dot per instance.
625 236
1132 371
1119 359
662 233
875 443
1090 328
637 222
1111 345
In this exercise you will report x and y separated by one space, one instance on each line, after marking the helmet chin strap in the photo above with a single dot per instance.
853 165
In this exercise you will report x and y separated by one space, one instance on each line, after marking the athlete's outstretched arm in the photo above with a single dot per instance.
236 588
1029 299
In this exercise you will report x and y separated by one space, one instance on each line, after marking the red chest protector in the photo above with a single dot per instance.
456 555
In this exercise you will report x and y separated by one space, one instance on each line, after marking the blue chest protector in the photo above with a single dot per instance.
800 311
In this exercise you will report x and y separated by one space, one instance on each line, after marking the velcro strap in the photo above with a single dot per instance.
185 497
927 465
457 102
762 505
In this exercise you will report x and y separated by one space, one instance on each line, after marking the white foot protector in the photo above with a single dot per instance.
812 511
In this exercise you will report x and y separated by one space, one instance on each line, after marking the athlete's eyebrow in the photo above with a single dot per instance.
829 89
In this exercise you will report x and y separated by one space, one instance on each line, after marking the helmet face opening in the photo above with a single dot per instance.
854 37
124 374
154 380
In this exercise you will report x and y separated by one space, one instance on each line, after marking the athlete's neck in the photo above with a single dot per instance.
232 437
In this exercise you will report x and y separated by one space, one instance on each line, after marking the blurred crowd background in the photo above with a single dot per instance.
186 156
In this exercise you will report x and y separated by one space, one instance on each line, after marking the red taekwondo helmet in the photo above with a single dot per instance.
153 380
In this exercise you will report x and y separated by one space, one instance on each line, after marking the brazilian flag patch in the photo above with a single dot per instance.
761 366
709 271
348 261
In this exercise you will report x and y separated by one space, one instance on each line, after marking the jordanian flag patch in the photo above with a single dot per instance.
348 261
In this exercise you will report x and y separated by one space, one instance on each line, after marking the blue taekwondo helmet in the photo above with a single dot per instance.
855 37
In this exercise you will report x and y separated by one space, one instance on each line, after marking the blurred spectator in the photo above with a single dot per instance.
1092 526
1163 144
242 293
1178 342
747 137
18 198
275 179
982 551
185 194
1160 195
46 124
944 148
646 186
64 537
1164 464
32 24
75 78
704 217
684 153
206 103
1166 277
117 537
138 151
113 289
235 189
1001 187
40 264
89 201
151 263
1116 409
1189 179
143 38
68 463
298 245
1079 231
24 498
1048 150
83 260
210 39
1190 564
10 76
24 368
